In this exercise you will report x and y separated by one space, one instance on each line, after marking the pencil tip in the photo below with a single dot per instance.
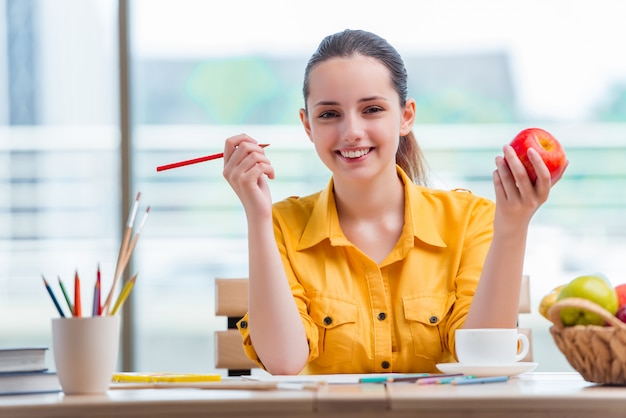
44 280
138 195
148 209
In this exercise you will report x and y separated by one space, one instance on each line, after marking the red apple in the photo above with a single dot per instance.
546 145
621 313
620 289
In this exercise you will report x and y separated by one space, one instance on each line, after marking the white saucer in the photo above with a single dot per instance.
486 370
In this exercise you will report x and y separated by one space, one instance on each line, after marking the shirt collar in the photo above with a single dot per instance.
419 211
324 221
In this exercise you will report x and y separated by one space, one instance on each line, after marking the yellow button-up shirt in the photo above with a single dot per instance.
396 316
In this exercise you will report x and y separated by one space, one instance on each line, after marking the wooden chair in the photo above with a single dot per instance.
231 301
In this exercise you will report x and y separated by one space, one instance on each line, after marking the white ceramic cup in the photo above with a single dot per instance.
85 352
488 346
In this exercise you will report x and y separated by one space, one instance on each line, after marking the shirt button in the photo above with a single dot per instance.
385 365
328 320
382 316
433 319
243 324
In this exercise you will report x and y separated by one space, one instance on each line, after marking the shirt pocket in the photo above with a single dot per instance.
336 320
425 314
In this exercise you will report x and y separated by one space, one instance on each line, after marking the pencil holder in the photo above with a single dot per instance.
598 353
85 352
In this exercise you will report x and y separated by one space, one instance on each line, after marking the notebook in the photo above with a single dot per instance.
23 359
24 383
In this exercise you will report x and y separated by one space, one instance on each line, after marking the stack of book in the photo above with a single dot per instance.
23 371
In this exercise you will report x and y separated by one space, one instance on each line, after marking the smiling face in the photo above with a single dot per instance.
354 117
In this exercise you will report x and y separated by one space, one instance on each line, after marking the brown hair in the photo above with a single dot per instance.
347 43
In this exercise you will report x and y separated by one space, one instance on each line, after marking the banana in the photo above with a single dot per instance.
548 300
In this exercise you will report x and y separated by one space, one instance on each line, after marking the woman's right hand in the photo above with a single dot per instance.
245 165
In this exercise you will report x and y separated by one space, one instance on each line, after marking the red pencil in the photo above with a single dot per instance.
77 305
196 160
99 300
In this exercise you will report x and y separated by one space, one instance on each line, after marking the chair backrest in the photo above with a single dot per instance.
231 301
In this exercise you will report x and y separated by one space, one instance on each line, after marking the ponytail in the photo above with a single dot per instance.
411 159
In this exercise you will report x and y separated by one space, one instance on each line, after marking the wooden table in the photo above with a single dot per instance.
529 395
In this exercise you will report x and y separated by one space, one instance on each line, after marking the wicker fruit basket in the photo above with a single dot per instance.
598 353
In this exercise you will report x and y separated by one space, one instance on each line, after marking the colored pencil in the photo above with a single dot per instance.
443 380
384 379
124 294
131 246
99 300
54 299
408 378
196 160
122 253
130 377
439 378
66 296
95 311
479 380
133 242
77 304
418 379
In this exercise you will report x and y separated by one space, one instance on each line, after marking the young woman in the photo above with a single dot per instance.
377 271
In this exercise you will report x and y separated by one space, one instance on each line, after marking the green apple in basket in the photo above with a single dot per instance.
594 288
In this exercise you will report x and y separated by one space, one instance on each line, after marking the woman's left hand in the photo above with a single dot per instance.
517 198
